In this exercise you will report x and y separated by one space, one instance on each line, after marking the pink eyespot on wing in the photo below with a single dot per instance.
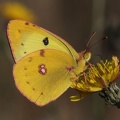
42 69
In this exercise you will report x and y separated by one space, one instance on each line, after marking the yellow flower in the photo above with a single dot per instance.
96 78
15 10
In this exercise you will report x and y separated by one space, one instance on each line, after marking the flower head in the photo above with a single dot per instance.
96 78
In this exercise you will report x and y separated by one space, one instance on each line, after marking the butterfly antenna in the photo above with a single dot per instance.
98 42
90 39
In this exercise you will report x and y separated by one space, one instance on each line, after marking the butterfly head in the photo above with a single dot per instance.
85 55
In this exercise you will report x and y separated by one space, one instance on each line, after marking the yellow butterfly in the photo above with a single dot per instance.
46 65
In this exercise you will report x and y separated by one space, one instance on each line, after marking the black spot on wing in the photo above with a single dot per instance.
26 23
33 89
46 41
30 59
25 68
27 82
22 44
34 25
19 31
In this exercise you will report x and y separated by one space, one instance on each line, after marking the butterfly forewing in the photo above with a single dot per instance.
25 37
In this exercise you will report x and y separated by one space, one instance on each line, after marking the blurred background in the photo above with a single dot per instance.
74 21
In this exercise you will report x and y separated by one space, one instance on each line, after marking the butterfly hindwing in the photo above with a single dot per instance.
43 76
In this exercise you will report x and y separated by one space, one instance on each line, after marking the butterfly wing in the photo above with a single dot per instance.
25 37
44 75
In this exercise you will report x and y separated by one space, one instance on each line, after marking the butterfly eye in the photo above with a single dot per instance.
87 56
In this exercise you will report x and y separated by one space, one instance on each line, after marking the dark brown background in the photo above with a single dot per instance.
74 21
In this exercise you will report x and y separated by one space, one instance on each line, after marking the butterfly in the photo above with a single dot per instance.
45 64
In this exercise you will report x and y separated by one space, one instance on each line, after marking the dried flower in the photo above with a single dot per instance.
111 95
